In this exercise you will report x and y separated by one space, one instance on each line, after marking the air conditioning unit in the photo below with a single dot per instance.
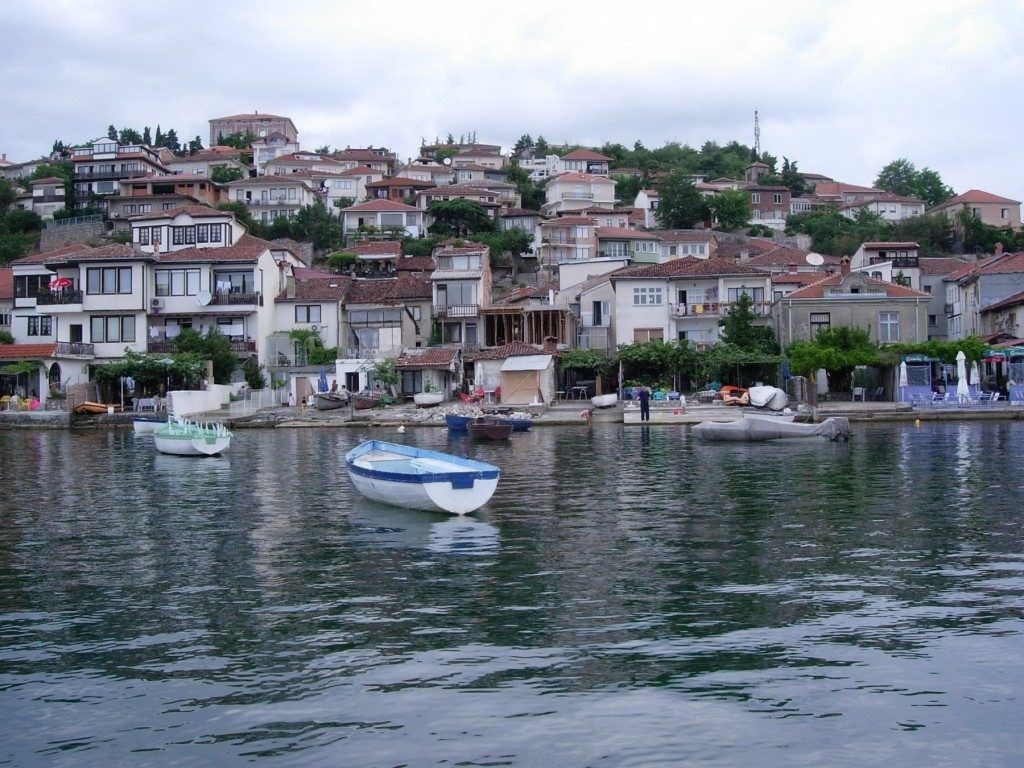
156 304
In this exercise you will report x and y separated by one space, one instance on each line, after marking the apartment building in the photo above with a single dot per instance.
101 165
164 192
47 196
271 196
258 124
888 207
994 210
387 215
769 205
576 191
585 161
567 238
461 288
270 148
204 162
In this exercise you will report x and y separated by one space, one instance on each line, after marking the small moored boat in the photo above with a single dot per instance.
89 407
488 428
365 402
604 401
518 425
757 430
326 401
428 399
187 438
405 476
147 424
456 422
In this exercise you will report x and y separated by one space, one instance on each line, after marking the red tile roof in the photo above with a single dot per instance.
512 349
429 357
457 189
48 180
388 291
318 289
26 351
363 155
194 210
686 236
586 154
1005 264
384 206
570 220
399 181
622 233
1009 301
796 278
56 254
687 266
580 177
360 170
837 188
379 248
976 196
247 249
521 212
304 157
783 256
307 273
940 266
891 290
6 283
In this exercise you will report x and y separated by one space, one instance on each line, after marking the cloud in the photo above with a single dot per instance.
843 87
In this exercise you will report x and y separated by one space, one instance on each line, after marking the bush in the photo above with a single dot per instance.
254 374
6 337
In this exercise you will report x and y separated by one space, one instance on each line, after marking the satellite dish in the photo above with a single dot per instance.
814 259
447 161
203 298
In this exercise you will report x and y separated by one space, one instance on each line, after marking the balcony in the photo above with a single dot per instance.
75 349
369 353
65 297
47 198
274 201
108 175
457 310
230 298
573 195
558 240
166 344
716 309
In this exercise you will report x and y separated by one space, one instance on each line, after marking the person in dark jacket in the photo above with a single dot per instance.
644 396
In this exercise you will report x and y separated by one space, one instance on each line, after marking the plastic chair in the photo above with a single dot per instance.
858 394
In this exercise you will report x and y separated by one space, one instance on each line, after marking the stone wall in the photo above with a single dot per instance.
72 234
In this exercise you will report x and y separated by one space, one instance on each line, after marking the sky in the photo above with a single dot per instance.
841 87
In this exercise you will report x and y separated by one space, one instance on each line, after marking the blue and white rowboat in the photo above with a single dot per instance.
420 479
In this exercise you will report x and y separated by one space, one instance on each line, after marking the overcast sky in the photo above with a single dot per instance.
841 87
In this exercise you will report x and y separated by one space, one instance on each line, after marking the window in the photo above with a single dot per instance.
234 282
602 313
646 296
165 206
202 233
177 282
926 288
776 198
112 328
40 325
888 326
643 335
757 214
756 294
177 236
776 295
145 207
307 313
29 286
931 320
820 321
128 208
156 235
755 197
190 235
5 319
143 233
107 280
215 235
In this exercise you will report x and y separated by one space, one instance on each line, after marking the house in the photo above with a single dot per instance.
932 273
633 244
311 304
303 161
591 301
576 191
487 199
812 180
507 194
382 317
400 188
994 210
379 159
839 193
271 147
47 196
461 289
684 298
524 373
422 169
483 155
608 217
889 261
471 150
1004 317
6 298
375 258
14 171
674 243
270 197
773 257
204 162
981 284
754 172
889 312
102 164
387 215
430 369
164 192
769 205
648 200
259 125
807 203
521 218
889 207
585 161
567 238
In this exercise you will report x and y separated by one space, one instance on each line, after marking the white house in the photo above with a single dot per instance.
576 191
648 200
889 207
382 214
270 196
270 148
893 262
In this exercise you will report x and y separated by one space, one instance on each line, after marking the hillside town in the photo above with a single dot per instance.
352 259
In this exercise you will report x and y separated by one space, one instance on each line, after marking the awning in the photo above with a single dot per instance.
526 363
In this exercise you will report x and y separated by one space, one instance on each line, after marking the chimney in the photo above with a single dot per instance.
844 267
792 266
550 345
744 255
289 286
999 249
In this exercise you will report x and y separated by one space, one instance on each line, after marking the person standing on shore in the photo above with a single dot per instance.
644 396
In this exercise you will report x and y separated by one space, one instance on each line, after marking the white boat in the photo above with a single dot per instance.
146 425
428 399
757 430
604 401
416 478
772 398
179 437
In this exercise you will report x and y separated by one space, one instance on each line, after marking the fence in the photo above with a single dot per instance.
256 400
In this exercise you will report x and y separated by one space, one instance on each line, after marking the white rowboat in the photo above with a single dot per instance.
187 438
416 478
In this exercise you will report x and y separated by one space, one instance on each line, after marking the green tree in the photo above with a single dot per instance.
459 218
522 143
901 177
627 188
253 373
792 178
6 337
731 209
542 147
214 346
531 192
681 205
741 331
323 150
511 242
7 194
224 174
147 137
158 137
444 153
171 140
340 261
931 189
316 224
129 136
112 132
196 145
242 214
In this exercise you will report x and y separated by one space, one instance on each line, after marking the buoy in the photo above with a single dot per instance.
917 422
401 429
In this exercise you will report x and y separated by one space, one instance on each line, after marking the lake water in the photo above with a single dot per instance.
628 598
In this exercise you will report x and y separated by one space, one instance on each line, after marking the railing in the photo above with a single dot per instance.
228 297
48 197
369 353
558 240
716 308
115 174
275 201
73 220
165 344
614 253
256 400
596 339
458 310
74 349
66 296
578 195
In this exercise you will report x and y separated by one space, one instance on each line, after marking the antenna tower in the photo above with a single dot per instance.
757 135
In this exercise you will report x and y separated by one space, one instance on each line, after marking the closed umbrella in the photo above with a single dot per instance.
963 392
321 384
975 374
904 381
822 381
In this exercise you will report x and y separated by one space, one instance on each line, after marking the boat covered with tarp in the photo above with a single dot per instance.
759 430
417 478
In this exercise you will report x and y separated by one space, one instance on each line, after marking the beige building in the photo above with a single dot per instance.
992 209
569 238
258 124
47 196
889 312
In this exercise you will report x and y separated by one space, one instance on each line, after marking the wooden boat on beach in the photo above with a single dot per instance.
405 476
756 430
488 428
326 401
365 402
89 407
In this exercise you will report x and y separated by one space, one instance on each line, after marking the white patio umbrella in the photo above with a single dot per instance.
962 390
903 381
822 381
975 374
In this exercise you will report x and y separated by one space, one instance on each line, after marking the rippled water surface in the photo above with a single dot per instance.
626 599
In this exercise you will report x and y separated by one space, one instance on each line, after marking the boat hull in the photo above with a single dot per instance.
146 426
328 403
449 484
428 399
195 446
361 403
457 423
518 425
488 429
604 401
756 430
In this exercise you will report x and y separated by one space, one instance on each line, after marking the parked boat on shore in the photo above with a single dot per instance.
365 402
179 437
428 399
327 401
406 476
755 430
89 407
